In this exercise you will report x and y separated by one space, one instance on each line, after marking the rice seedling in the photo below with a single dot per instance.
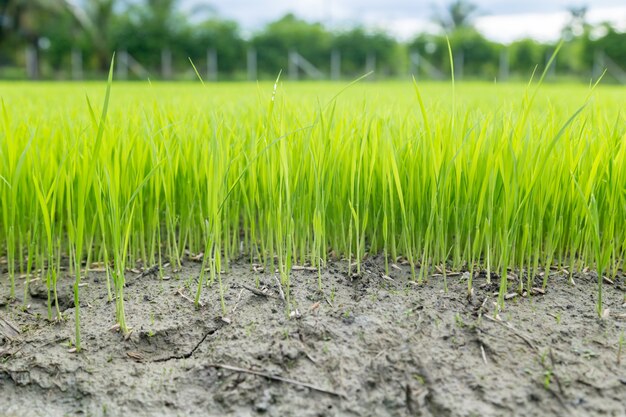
509 180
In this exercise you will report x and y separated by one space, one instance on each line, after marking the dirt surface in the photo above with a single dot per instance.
370 346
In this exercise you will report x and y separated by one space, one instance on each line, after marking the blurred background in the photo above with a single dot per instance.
313 39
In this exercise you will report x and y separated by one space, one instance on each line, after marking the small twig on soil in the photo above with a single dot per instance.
309 357
556 378
551 370
280 289
8 353
236 306
537 291
53 342
329 302
482 352
274 378
514 331
559 399
303 268
180 292
255 291
196 258
8 329
379 354
478 311
137 356
304 350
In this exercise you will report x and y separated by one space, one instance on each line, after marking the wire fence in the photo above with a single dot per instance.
298 67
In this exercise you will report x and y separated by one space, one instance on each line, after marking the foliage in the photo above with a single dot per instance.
224 37
145 28
458 15
494 178
273 43
354 46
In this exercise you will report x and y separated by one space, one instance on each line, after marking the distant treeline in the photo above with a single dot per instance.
60 39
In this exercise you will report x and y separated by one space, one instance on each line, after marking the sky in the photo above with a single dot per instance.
502 21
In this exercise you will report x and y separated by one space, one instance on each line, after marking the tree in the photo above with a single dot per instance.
525 54
221 35
356 44
36 22
574 35
148 28
98 24
577 24
473 54
273 44
610 44
458 14
23 20
480 57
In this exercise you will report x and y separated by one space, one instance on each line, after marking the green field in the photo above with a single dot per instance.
504 178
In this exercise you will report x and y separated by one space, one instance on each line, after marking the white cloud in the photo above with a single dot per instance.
615 15
542 26
502 21
506 28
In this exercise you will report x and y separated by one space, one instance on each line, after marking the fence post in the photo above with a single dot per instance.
459 62
166 63
122 65
32 62
335 65
252 65
414 64
293 65
598 64
370 63
504 65
77 64
211 64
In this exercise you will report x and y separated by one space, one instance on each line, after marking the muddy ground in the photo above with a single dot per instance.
370 346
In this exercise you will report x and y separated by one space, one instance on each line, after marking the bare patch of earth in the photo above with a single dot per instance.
371 346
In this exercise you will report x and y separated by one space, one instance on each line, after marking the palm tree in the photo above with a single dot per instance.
458 14
22 19
95 19
21 16
577 24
